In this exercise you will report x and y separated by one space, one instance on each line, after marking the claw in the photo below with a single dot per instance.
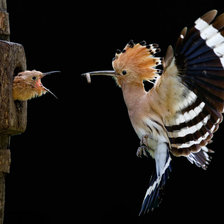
144 151
144 140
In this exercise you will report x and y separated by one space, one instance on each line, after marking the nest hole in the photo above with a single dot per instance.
19 104
17 70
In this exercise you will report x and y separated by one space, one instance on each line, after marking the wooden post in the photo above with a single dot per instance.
12 113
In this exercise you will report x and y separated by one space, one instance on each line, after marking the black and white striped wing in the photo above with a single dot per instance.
199 58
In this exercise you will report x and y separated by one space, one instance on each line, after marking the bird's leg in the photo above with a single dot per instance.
144 149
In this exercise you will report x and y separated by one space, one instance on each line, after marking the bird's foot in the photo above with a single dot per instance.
143 151
144 140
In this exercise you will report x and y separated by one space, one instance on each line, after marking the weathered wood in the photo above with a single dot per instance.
5 160
4 144
3 5
2 197
4 21
13 114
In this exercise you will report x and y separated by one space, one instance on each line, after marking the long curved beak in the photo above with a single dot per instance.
104 73
49 73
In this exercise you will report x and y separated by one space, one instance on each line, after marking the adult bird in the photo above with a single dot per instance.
184 108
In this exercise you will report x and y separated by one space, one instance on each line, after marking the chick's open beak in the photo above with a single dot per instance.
42 86
50 73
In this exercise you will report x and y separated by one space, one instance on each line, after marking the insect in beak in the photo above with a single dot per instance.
104 73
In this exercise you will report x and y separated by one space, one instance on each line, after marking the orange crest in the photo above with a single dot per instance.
137 61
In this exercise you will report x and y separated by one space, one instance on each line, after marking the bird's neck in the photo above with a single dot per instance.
133 94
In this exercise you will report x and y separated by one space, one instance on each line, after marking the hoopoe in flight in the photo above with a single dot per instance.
183 109
27 85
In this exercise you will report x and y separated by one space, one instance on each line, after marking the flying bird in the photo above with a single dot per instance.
180 113
27 85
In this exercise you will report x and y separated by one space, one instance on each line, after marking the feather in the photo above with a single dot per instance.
219 22
169 56
209 16
180 40
139 59
201 70
156 184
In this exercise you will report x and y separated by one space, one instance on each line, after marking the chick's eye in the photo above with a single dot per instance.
34 77
124 72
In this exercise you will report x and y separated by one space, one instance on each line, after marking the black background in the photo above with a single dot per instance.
76 160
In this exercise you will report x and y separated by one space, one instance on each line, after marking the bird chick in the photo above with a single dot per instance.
27 85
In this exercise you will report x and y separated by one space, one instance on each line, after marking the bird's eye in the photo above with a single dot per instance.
34 77
124 72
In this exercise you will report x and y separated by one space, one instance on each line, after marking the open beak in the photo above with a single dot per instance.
104 73
49 73
46 89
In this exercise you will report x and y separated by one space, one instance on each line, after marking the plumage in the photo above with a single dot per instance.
179 115
27 85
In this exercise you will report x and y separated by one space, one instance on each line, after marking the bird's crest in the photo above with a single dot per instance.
138 59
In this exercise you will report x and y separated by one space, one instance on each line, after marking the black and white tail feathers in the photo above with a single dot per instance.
156 184
199 58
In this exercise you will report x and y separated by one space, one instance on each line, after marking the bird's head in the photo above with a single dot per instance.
27 85
134 64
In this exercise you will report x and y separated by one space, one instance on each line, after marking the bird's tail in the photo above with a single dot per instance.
152 197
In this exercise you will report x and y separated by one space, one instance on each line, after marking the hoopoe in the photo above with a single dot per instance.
183 109
27 85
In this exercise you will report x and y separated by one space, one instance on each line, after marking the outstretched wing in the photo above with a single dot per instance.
198 61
